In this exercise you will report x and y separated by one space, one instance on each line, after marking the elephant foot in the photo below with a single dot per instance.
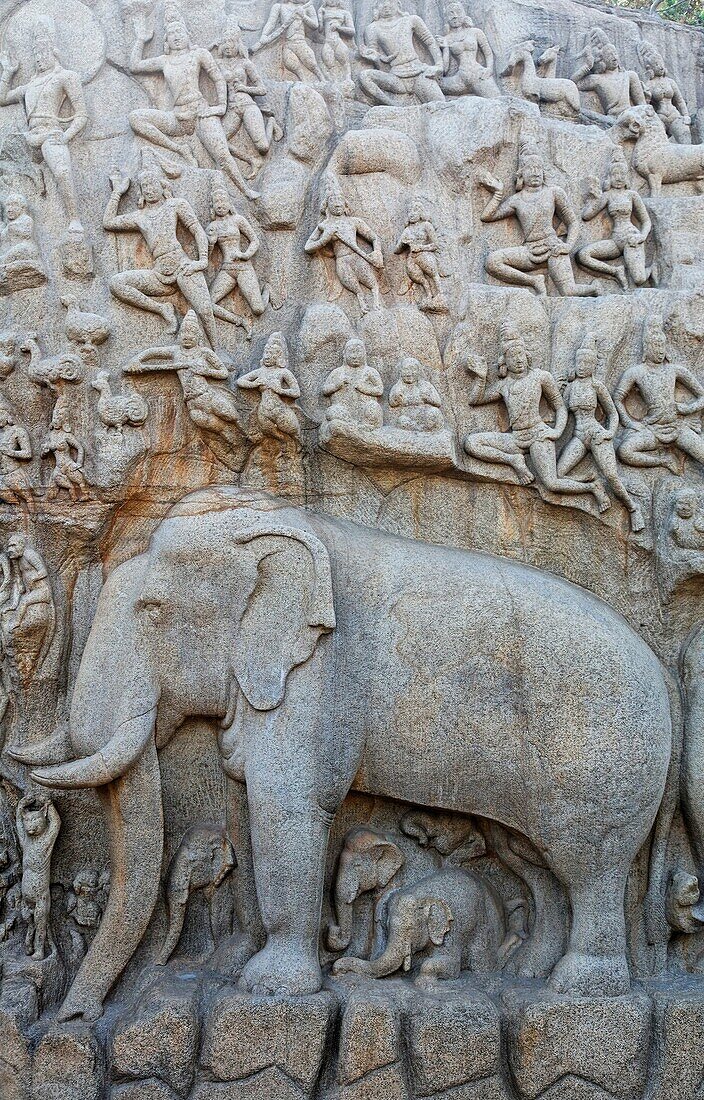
284 969
585 975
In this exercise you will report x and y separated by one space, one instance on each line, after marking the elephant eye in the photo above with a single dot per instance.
151 607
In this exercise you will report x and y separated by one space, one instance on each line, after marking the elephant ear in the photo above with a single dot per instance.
389 859
439 917
290 607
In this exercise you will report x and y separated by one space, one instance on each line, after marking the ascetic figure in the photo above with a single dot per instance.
650 441
210 406
523 388
20 262
290 20
158 219
38 823
69 456
56 113
390 40
631 228
536 205
15 451
355 390
414 403
664 94
421 244
244 88
188 111
585 395
340 231
238 244
601 71
467 57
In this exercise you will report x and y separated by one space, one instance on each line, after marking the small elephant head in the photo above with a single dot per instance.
456 838
413 924
368 861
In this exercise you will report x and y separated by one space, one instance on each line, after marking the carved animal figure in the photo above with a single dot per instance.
453 917
655 158
541 89
274 603
368 861
202 861
82 327
116 410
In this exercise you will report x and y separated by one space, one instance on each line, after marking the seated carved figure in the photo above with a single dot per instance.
686 525
631 227
399 69
467 57
21 266
664 94
601 72
414 403
355 390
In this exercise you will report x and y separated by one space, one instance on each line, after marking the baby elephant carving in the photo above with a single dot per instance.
368 861
456 838
202 861
453 918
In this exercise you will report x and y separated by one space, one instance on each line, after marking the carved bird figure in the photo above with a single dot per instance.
81 327
116 410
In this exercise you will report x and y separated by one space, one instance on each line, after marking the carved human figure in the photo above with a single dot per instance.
277 415
467 57
85 903
536 205
338 30
244 87
21 264
188 112
523 388
586 397
30 607
454 917
342 233
421 245
538 83
38 823
140 14
290 21
651 440
414 403
664 94
600 71
202 861
9 347
355 390
392 40
686 526
69 455
199 370
158 219
10 872
238 243
368 862
56 113
15 452
631 227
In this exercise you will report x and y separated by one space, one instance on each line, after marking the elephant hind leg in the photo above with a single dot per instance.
135 820
595 963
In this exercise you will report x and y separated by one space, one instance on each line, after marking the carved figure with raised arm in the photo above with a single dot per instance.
355 390
523 388
342 233
55 107
21 266
666 427
277 415
38 823
391 43
467 57
631 227
536 86
600 71
414 403
585 397
663 92
421 245
158 218
238 243
69 455
210 404
188 112
337 26
244 87
536 205
290 21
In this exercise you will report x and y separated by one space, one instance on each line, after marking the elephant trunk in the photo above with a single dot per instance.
340 934
176 912
397 956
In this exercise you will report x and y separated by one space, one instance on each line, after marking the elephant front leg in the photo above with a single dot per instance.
289 843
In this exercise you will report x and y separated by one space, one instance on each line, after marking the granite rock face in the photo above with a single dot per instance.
351 551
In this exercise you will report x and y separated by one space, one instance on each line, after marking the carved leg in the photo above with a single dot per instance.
144 290
516 266
560 271
212 135
595 964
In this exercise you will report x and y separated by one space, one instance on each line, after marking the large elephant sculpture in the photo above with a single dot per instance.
337 657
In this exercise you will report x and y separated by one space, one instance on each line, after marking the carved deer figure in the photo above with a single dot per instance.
538 88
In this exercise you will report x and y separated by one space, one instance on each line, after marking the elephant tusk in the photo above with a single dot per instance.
109 763
93 771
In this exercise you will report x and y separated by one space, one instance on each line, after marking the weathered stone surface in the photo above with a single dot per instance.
160 1037
67 1066
680 1017
151 1089
453 1039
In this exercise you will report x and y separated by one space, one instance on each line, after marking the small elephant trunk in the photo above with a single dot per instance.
340 934
396 957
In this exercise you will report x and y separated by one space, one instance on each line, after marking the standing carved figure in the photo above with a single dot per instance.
201 373
15 452
523 388
650 441
390 40
277 416
421 244
664 94
38 823
290 20
355 390
28 614
341 232
584 396
631 227
188 111
600 71
85 903
467 57
45 98
69 456
337 26
158 219
244 88
238 244
202 861
414 403
536 205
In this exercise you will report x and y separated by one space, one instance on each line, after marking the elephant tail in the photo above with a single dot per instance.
656 925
